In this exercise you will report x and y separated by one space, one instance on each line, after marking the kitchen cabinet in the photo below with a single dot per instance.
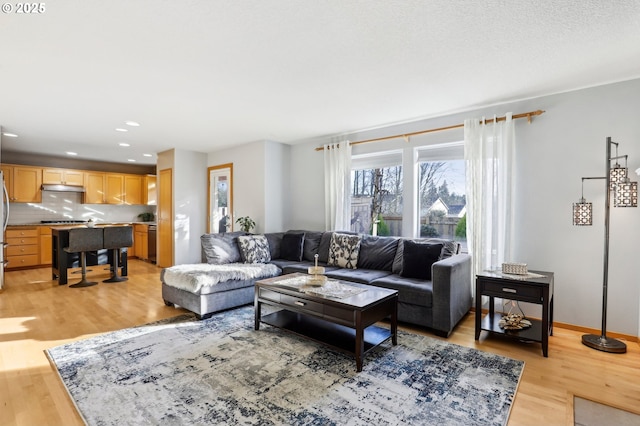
141 241
44 235
103 188
62 177
149 190
133 190
95 188
114 188
23 183
23 248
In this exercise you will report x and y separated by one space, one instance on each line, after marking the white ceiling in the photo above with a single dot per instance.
205 74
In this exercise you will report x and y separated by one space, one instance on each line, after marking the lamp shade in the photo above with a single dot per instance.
616 175
582 213
626 194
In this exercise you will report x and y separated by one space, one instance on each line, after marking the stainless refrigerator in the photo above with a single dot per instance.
4 218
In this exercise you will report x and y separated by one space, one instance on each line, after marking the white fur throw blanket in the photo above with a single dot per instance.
194 277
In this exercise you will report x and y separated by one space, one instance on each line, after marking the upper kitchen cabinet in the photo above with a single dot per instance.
23 183
133 190
115 188
149 190
95 188
62 177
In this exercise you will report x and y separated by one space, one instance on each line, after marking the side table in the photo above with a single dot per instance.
533 289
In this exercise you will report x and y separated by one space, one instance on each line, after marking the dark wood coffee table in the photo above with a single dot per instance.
345 324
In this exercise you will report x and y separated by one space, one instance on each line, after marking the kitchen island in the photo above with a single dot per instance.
61 260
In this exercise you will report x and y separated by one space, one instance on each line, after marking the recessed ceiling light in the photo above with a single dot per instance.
10 135
151 155
71 153
121 130
131 160
132 123
124 144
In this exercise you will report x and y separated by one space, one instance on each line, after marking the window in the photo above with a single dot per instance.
441 192
376 193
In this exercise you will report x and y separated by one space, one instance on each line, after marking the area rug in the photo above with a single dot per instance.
222 371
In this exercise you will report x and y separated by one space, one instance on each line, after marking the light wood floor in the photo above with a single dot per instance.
36 314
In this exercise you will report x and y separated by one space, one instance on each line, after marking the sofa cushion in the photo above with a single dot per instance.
412 291
364 276
292 246
275 241
303 267
311 245
449 248
418 258
344 250
219 249
254 248
323 248
377 252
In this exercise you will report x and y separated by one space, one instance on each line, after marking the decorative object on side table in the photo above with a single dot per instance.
515 268
246 223
625 194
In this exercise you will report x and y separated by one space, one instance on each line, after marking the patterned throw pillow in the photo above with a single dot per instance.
254 248
343 250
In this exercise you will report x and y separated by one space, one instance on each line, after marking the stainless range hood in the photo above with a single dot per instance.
62 188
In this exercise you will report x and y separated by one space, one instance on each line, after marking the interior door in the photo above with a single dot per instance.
165 219
220 197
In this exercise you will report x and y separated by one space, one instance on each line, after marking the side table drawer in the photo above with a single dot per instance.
504 290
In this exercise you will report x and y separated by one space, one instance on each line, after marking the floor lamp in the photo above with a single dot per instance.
625 194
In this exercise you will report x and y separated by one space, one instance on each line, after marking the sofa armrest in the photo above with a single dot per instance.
451 279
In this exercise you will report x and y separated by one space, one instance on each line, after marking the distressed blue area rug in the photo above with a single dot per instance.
221 371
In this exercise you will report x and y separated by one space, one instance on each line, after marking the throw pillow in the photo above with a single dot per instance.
221 248
254 249
292 246
377 252
343 251
418 258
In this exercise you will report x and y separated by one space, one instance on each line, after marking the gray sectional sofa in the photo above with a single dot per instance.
433 280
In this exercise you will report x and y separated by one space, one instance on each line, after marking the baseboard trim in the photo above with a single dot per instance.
586 330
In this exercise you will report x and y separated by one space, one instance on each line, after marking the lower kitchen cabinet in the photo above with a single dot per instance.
23 247
45 245
141 241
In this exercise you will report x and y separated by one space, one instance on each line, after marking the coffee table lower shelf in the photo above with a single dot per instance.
336 336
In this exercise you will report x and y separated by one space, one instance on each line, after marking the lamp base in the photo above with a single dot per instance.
605 344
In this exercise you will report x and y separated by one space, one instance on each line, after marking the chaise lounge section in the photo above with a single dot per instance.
432 278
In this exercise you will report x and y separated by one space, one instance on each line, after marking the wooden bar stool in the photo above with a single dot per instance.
82 240
116 238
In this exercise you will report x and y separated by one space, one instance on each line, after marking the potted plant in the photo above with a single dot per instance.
246 223
146 217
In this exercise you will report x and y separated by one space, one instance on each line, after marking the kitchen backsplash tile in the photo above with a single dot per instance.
68 206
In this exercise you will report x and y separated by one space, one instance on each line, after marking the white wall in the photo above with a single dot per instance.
189 204
276 186
552 154
189 179
249 180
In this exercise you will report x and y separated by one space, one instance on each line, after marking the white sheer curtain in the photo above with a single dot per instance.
337 186
489 155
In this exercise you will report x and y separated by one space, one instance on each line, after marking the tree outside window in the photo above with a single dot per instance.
376 200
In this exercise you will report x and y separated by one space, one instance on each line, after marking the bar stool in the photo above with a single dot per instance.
115 238
82 240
